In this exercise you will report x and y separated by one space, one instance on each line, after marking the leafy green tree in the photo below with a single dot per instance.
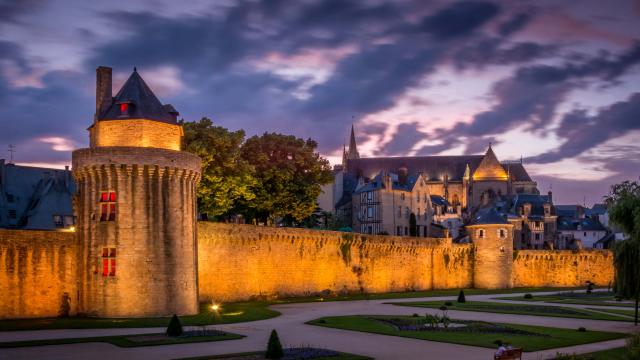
624 210
226 177
289 174
274 348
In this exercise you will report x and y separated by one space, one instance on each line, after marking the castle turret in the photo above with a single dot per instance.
492 237
135 207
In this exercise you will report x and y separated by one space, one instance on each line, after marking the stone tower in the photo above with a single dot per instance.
135 207
492 237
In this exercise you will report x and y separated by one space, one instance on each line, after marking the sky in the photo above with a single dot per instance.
554 83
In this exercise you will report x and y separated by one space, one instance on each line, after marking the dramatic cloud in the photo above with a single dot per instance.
583 132
415 77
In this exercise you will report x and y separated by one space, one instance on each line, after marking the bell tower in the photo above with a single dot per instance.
135 207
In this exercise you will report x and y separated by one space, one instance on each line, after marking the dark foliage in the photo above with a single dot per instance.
274 348
175 326
461 298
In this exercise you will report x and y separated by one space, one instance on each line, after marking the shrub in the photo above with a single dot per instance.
498 342
274 348
448 303
175 326
582 329
415 315
528 296
633 347
461 297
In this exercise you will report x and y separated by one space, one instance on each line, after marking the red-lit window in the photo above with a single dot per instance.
108 261
108 206
124 108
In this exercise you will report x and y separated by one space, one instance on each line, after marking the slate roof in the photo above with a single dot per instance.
537 204
586 224
438 200
35 195
432 167
597 209
377 183
143 103
570 211
489 216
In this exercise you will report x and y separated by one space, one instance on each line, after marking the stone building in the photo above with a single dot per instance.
386 204
534 221
491 235
135 207
35 198
467 181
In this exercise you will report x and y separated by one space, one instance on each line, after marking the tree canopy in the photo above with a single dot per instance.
226 177
624 211
289 174
267 178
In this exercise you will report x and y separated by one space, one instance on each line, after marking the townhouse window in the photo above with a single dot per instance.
537 236
585 233
69 220
399 230
502 233
58 221
10 198
108 206
406 231
108 261
418 197
399 211
480 233
369 195
13 214
369 212
402 196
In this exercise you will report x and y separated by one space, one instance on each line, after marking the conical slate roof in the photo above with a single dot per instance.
353 148
490 168
490 216
141 102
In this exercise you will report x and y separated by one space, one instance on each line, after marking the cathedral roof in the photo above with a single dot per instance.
490 168
431 167
141 103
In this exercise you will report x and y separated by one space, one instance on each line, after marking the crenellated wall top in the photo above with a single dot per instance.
127 157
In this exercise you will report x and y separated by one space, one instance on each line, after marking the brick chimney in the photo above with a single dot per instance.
103 89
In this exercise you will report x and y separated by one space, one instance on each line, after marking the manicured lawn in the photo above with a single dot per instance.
228 313
260 355
126 340
419 294
530 338
611 354
521 309
234 312
578 298
618 311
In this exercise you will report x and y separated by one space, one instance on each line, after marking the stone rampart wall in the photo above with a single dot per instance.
240 261
37 273
532 268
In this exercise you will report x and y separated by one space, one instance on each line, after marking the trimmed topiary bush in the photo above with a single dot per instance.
528 296
175 327
461 297
448 303
582 329
415 315
274 348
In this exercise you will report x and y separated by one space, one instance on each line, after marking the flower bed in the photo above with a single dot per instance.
460 326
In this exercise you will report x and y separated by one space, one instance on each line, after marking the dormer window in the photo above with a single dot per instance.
125 108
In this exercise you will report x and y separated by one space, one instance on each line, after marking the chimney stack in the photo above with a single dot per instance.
103 89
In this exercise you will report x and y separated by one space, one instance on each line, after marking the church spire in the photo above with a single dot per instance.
353 148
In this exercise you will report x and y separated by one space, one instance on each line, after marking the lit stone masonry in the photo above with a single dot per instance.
153 233
136 132
135 207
